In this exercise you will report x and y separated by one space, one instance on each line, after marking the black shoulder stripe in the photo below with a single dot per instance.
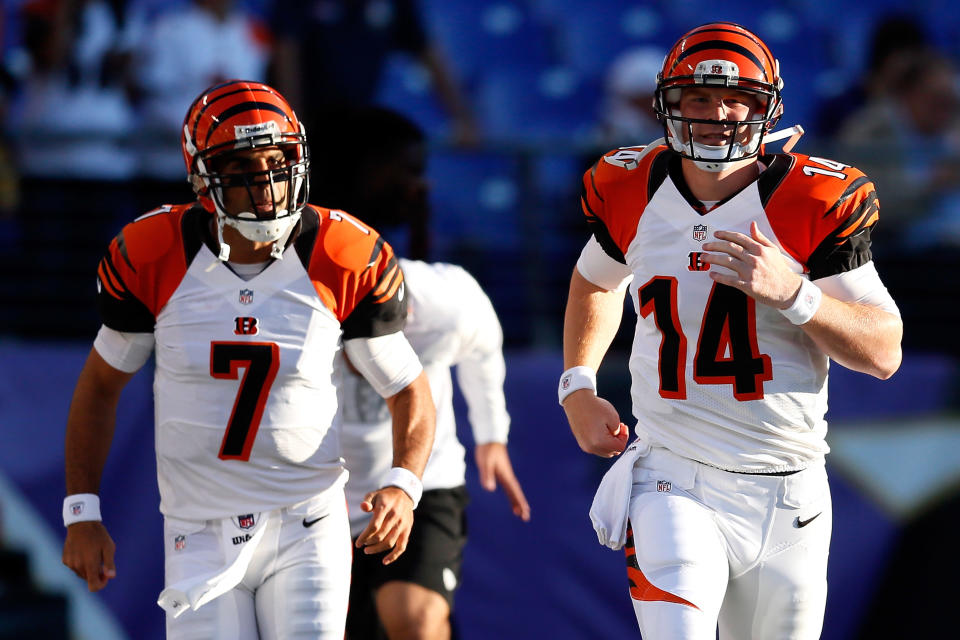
306 236
849 191
858 221
110 270
393 270
778 166
659 171
196 231
600 231
122 246
848 246
593 181
377 248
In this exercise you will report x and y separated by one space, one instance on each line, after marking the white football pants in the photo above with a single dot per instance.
297 582
746 551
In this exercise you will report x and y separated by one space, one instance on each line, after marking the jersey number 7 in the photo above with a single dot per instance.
727 351
260 361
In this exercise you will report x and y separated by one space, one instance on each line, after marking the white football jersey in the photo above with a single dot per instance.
450 323
717 377
246 370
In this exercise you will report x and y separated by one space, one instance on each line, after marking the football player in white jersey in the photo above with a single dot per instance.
246 298
450 323
749 270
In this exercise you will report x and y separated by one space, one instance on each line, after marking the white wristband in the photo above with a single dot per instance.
406 480
81 507
574 379
806 304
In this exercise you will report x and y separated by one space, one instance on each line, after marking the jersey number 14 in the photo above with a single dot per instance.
727 351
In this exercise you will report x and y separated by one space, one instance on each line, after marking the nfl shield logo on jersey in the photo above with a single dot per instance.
247 521
664 485
180 542
699 232
246 295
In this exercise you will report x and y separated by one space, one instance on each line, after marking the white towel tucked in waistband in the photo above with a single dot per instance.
612 500
194 592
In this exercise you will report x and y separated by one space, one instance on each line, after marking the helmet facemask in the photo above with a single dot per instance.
728 57
747 135
274 225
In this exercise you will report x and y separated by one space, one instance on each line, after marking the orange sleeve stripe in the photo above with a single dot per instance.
386 282
853 227
392 291
107 283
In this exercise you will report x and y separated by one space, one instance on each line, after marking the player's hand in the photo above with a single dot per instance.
88 552
760 270
389 527
595 424
493 465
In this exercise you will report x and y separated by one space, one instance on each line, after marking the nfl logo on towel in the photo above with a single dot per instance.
664 485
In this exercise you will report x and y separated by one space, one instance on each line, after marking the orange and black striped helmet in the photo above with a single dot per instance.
237 115
719 54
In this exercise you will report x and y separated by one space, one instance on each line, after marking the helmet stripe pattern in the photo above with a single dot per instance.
719 56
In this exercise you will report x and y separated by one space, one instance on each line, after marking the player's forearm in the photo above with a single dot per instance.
90 425
860 337
590 323
414 421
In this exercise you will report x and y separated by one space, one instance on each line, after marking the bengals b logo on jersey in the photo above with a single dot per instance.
246 326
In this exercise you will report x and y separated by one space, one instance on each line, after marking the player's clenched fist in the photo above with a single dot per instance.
88 552
596 424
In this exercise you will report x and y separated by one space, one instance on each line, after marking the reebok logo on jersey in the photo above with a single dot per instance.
799 524
310 523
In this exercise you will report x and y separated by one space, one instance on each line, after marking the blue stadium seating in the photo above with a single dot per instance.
406 87
537 105
478 35
590 37
476 200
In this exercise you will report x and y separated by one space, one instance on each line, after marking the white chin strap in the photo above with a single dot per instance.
276 231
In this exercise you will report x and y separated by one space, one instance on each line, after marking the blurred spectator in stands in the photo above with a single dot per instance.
180 53
628 116
908 141
70 113
331 53
893 41
351 174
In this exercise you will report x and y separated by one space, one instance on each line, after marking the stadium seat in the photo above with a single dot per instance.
537 105
406 87
590 37
476 200
478 35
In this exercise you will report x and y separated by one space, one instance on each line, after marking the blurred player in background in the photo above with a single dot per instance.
749 272
246 297
380 159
